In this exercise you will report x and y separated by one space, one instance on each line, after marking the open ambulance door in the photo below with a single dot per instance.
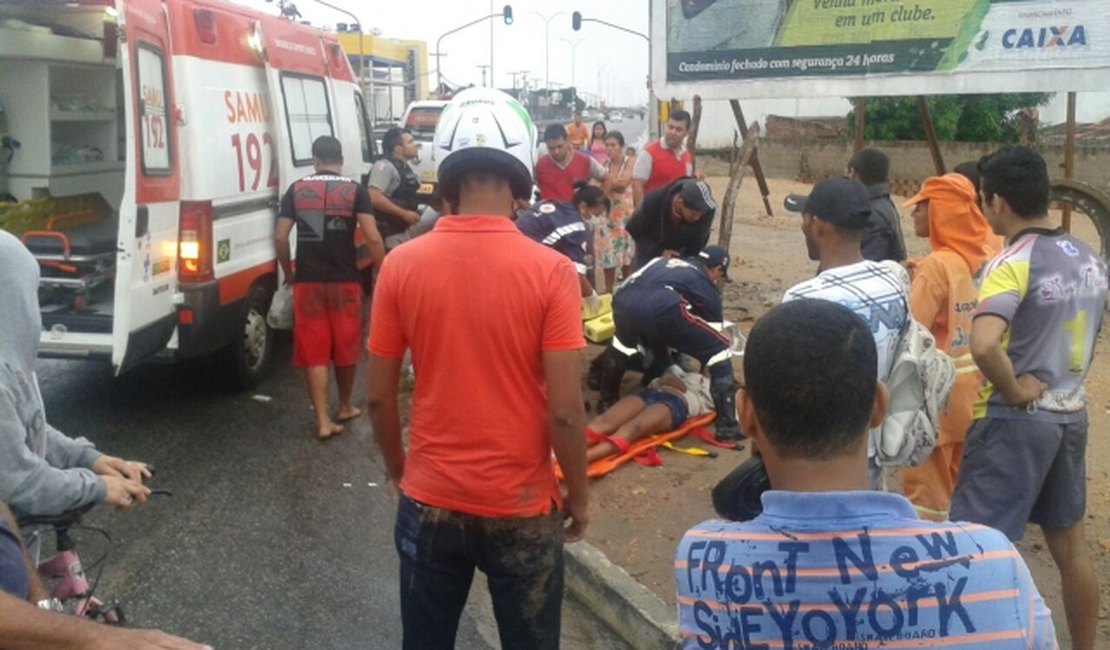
145 316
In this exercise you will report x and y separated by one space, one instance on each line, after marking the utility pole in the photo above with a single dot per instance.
518 75
483 68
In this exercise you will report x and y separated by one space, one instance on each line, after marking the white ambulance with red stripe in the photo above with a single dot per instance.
154 137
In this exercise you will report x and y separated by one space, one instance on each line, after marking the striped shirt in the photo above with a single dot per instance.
853 570
1051 289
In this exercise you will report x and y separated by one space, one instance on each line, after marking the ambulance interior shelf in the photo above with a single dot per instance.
60 93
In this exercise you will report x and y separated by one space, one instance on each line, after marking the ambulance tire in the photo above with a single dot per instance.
248 357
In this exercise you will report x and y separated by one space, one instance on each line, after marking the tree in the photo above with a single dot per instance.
963 118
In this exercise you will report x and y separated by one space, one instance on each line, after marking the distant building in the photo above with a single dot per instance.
395 72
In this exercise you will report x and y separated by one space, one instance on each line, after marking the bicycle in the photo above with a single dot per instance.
65 571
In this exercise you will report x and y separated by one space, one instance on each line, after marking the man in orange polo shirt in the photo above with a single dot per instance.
578 134
493 320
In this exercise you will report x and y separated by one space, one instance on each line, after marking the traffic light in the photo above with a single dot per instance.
507 14
576 21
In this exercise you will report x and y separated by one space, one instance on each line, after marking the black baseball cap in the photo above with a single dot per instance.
842 202
713 256
697 196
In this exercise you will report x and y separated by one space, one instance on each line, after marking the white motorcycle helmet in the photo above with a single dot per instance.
485 129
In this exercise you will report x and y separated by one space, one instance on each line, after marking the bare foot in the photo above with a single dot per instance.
329 430
348 413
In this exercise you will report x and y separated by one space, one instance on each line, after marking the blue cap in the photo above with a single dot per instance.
713 256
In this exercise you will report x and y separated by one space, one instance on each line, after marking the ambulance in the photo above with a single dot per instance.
148 144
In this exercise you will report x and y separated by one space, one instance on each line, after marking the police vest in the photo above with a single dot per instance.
403 197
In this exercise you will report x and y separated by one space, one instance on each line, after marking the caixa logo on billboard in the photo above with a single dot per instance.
1044 37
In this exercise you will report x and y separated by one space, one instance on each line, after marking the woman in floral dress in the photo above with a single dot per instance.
612 244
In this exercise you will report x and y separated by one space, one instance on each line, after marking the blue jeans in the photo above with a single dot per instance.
522 558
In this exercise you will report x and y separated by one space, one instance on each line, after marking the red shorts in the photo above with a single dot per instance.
327 323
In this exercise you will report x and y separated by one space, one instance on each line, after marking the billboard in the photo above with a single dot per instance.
739 49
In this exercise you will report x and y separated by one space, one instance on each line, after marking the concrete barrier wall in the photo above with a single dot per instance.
910 162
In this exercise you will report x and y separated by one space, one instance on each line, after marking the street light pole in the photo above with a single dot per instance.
361 54
573 53
547 44
439 64
651 92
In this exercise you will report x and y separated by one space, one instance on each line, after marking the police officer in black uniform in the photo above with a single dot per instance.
674 304
393 187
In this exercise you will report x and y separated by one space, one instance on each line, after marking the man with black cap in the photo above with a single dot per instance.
672 221
673 304
834 217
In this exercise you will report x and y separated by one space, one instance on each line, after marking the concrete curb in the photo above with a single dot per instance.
632 611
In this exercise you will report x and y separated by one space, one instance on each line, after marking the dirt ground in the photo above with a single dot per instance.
639 513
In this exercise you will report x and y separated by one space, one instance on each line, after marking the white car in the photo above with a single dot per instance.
420 117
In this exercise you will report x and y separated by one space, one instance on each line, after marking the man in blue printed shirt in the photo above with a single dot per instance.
829 563
1033 335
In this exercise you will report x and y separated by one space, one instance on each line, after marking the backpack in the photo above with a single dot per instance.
920 379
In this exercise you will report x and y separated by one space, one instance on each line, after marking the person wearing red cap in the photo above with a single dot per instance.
943 296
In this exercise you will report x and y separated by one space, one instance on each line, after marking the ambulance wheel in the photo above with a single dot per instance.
248 356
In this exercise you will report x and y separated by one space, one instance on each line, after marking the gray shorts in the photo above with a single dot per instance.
1019 471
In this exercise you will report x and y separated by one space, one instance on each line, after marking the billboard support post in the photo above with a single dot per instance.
1069 157
692 138
741 156
860 104
757 167
930 135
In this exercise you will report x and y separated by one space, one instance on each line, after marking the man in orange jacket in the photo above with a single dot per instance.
943 295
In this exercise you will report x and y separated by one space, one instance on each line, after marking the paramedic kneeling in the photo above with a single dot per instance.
674 304
829 563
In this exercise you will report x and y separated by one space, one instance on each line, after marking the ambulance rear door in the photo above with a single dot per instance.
146 272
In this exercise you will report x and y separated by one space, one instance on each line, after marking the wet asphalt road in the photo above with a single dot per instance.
272 539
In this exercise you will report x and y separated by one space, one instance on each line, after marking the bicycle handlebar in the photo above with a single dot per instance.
69 517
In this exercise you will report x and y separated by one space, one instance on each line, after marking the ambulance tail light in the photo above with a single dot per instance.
194 242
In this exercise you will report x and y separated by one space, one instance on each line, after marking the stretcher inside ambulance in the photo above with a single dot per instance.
147 143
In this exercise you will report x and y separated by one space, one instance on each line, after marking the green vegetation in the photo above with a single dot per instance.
962 118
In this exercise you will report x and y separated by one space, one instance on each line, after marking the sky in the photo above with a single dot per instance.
605 60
